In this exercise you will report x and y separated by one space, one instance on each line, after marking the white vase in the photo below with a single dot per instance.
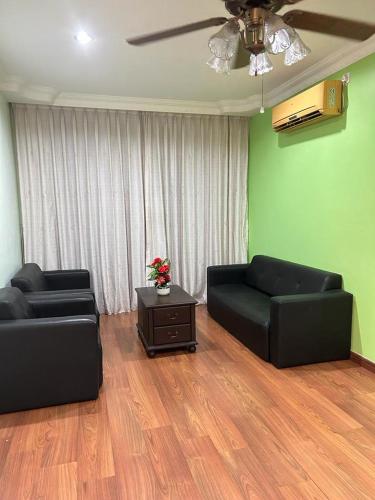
163 291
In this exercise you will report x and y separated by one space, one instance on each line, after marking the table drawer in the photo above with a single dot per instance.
171 315
172 334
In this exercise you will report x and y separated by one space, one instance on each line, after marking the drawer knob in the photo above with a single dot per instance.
173 335
173 316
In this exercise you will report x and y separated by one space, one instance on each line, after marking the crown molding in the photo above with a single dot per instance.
137 104
17 89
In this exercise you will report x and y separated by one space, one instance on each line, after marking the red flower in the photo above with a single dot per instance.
167 278
163 269
157 260
160 280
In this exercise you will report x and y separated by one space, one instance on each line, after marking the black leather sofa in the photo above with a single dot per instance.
50 350
30 278
285 313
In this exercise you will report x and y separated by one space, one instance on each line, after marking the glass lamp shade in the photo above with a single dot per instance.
296 52
225 42
278 35
219 65
260 64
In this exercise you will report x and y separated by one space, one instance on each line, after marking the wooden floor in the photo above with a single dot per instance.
218 424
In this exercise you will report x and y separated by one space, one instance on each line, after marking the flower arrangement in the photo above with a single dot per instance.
159 273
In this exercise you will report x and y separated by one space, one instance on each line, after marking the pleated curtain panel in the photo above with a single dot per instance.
109 190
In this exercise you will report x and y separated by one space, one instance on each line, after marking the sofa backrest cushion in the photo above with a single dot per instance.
30 278
280 277
13 305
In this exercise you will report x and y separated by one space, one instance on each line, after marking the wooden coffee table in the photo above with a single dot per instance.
166 322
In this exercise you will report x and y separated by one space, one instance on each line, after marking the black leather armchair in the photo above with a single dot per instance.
30 278
286 313
50 350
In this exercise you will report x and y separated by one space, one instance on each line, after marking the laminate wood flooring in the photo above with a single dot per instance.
217 424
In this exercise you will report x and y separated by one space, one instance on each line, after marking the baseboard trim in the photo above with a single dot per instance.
364 362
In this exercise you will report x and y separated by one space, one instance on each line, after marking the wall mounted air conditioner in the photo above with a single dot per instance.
318 103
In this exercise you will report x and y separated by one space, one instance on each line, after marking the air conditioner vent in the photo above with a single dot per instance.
298 120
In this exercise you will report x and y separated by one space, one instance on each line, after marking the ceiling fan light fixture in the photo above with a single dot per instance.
260 64
224 43
219 65
296 52
279 42
278 35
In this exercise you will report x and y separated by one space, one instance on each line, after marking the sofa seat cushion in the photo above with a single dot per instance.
244 300
244 312
63 294
51 293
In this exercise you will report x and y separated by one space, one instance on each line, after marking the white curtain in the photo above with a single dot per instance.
109 190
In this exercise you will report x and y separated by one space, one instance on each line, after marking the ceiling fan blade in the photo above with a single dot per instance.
329 25
242 58
181 30
290 2
276 5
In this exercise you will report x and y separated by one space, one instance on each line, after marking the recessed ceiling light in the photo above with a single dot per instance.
83 37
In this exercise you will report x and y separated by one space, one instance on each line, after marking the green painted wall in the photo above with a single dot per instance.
312 196
10 239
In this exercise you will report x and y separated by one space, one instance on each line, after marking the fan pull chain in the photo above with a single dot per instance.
262 91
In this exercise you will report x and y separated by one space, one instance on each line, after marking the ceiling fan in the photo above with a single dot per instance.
255 30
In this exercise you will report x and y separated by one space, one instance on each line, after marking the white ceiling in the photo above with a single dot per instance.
40 60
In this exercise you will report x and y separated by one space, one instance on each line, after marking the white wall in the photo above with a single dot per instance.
10 239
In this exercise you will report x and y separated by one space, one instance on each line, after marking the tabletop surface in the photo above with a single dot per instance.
178 296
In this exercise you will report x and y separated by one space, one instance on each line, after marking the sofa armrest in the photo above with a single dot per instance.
51 361
310 328
226 274
66 280
62 304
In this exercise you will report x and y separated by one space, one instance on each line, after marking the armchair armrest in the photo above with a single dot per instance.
61 304
66 280
48 361
310 328
225 274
